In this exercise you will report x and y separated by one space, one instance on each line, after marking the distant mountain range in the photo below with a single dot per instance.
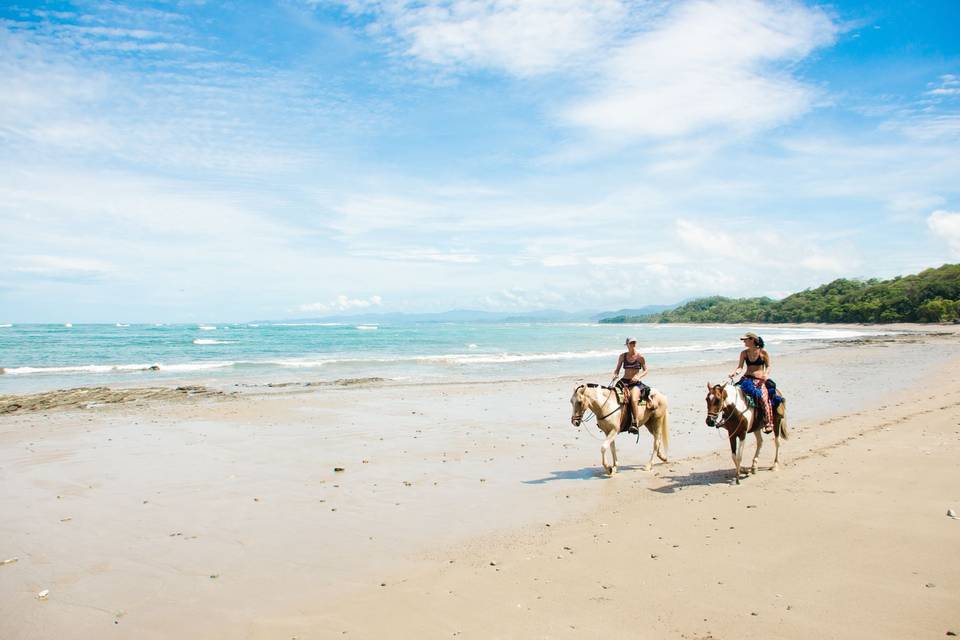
472 315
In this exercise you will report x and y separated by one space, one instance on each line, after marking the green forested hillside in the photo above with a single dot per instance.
930 296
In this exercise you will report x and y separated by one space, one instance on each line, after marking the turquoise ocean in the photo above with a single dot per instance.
37 357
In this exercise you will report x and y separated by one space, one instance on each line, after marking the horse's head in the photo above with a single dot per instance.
716 399
578 403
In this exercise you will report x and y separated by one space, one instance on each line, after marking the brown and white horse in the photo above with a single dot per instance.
605 404
727 408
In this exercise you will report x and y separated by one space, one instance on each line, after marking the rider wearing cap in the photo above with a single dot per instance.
756 378
634 369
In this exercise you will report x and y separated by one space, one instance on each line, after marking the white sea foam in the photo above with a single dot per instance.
367 327
197 366
206 327
5 326
68 325
502 358
86 368
306 324
120 324
204 341
308 364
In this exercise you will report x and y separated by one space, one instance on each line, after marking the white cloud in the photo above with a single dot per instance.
657 70
709 240
905 206
343 303
755 246
708 64
520 298
946 224
61 267
416 254
827 263
522 38
82 95
929 127
949 85
561 261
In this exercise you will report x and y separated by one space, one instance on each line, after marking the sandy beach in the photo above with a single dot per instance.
476 510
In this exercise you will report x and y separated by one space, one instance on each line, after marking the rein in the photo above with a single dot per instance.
721 421
724 421
609 395
584 419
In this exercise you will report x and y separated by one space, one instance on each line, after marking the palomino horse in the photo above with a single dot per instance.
605 404
727 407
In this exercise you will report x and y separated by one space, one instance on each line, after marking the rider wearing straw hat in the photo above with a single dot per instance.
634 369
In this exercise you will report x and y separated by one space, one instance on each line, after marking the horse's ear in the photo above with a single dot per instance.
709 388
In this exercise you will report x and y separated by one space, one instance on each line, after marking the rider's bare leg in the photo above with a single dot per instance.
635 405
767 411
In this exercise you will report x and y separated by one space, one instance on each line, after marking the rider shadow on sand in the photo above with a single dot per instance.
584 473
675 482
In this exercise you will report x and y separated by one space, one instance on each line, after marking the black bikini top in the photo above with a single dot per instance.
755 363
632 364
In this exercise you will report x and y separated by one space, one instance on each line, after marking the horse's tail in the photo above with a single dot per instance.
664 432
784 433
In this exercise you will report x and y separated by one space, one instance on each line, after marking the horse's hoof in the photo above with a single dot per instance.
609 470
647 467
613 471
775 467
753 470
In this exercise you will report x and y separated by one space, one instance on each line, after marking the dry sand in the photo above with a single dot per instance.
477 511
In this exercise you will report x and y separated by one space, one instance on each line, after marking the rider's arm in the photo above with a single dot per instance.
643 368
766 365
616 371
743 357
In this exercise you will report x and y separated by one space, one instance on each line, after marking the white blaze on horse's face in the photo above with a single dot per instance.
715 398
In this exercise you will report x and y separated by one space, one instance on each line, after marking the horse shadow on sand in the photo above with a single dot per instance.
583 473
673 482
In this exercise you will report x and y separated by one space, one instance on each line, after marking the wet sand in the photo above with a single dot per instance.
225 517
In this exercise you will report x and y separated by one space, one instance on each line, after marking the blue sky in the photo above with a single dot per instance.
203 161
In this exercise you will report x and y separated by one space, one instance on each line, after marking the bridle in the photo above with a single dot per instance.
578 416
718 418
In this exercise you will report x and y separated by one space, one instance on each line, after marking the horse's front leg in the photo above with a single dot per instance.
740 444
613 454
607 443
734 450
756 454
